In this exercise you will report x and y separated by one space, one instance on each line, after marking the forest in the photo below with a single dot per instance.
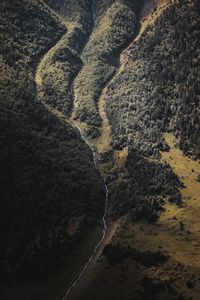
47 171
165 59
99 149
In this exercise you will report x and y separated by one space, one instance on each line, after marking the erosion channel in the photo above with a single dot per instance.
99 145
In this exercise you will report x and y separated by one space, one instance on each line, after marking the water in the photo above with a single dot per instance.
74 283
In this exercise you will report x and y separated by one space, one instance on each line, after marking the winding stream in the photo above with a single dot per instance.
74 283
38 80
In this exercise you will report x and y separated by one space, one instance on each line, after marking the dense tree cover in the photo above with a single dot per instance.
142 188
57 70
102 5
159 87
47 172
113 29
117 252
75 11
62 63
136 264
15 25
156 290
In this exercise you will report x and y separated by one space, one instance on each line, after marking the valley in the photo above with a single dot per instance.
100 143
114 151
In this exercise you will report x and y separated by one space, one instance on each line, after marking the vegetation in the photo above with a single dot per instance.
61 64
15 23
113 29
55 75
143 199
158 90
155 290
47 171
56 58
75 12
117 253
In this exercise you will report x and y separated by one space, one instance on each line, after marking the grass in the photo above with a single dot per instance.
55 286
176 235
182 246
111 33
102 143
188 170
150 13
71 26
60 65
40 185
55 73
177 231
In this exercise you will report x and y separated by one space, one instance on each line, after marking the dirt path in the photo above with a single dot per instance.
102 144
151 10
88 275
107 233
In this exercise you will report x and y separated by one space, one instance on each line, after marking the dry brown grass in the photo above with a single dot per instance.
150 13
103 142
181 243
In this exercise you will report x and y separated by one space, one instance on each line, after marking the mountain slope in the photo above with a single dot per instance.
99 101
47 172
161 91
115 25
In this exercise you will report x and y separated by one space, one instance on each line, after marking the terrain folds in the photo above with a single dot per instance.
89 81
60 65
112 31
154 190
154 97
47 169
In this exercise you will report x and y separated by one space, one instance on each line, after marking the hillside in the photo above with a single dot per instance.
153 261
99 149
161 91
115 26
47 170
60 65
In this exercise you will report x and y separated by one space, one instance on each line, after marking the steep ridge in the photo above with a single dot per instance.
135 111
59 66
149 13
122 253
151 258
40 87
113 30
116 188
44 214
